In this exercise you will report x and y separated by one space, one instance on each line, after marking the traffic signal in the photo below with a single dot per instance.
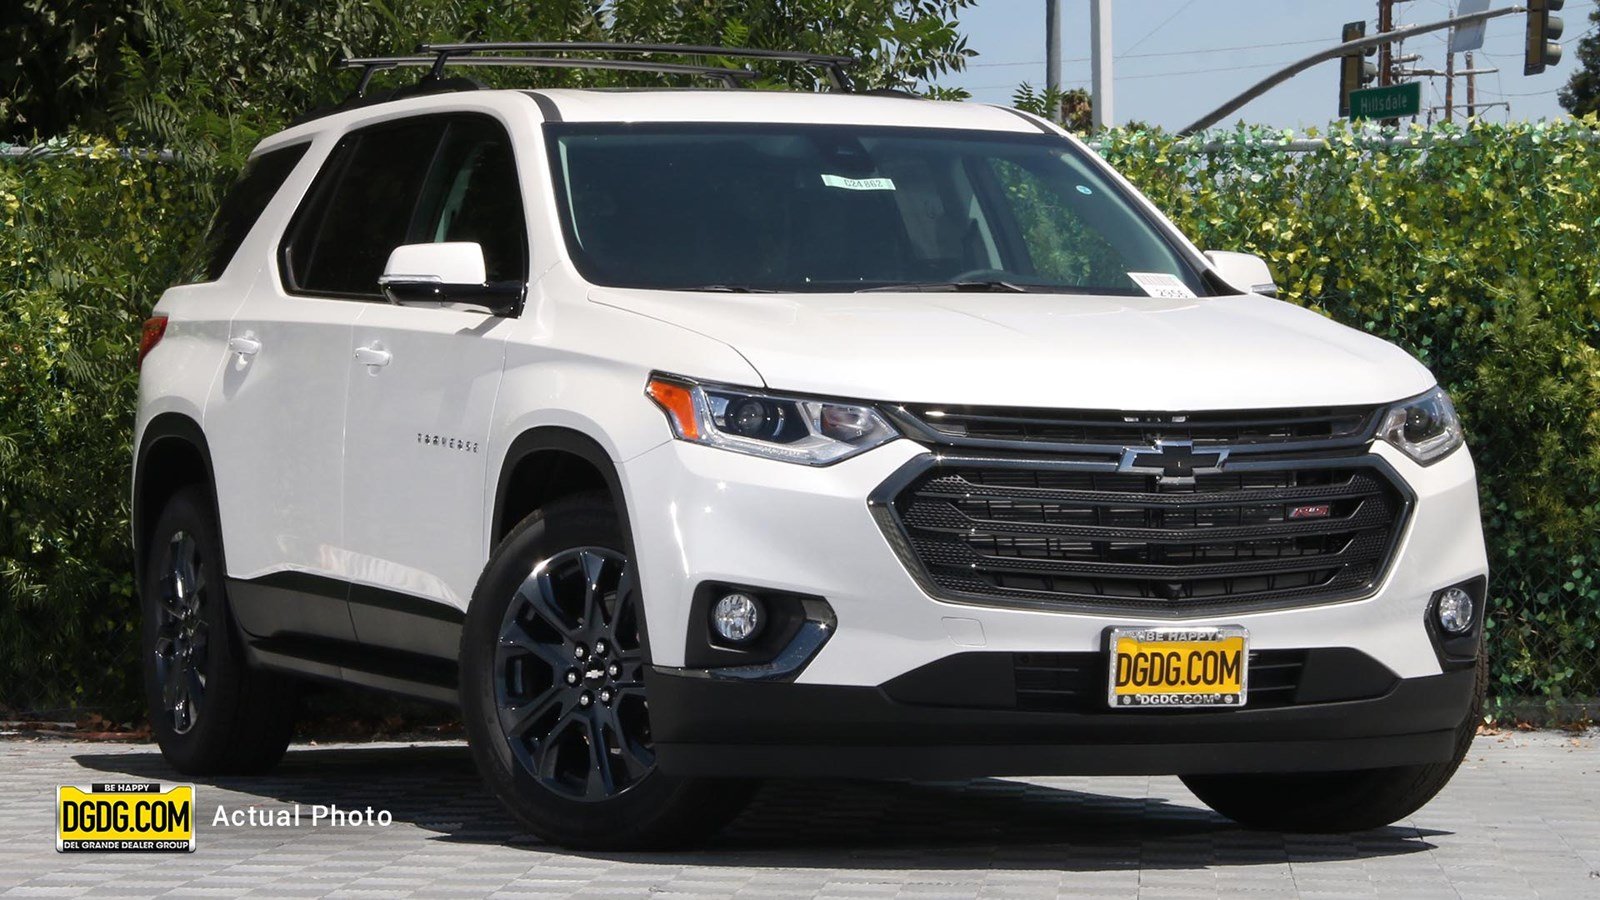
1355 71
1540 48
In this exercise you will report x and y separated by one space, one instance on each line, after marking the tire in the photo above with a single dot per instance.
1338 802
211 713
553 676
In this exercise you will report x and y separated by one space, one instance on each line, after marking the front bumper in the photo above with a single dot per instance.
712 727
700 514
704 515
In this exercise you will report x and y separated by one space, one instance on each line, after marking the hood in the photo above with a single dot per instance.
1044 350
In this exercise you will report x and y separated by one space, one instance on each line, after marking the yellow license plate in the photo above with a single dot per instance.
1178 667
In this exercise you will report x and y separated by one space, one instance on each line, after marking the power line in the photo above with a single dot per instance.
1530 93
1126 56
1266 65
1164 22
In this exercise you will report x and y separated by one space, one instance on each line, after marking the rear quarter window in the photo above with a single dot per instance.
241 207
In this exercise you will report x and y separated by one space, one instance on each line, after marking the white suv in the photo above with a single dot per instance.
686 437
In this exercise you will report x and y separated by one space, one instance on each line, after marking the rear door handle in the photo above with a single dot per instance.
244 346
373 356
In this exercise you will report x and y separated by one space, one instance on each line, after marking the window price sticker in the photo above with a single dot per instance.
1165 287
858 184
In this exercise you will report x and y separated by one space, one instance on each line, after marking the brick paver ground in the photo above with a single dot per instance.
1522 819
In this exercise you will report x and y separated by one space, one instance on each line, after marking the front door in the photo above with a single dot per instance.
421 395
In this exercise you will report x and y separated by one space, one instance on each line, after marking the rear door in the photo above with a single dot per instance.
417 428
276 422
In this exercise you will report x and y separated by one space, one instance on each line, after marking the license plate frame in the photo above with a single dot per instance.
1183 641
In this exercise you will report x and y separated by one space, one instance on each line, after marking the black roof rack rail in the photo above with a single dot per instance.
833 66
435 64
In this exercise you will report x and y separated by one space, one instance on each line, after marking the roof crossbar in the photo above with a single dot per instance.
435 64
833 66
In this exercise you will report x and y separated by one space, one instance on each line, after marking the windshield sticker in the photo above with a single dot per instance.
858 184
1166 287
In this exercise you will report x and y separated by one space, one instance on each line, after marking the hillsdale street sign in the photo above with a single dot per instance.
1390 102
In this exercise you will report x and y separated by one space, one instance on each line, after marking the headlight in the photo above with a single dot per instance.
791 429
1425 427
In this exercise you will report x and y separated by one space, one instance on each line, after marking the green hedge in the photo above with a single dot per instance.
1474 251
87 243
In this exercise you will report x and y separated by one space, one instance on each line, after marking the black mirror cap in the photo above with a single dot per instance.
502 298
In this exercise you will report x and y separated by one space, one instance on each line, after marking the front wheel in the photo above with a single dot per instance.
554 692
1338 802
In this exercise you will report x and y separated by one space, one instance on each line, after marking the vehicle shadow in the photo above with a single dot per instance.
982 823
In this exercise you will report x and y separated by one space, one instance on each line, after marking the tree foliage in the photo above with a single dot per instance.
1581 96
58 64
1073 109
210 78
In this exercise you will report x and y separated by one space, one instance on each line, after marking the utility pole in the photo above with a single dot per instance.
1450 83
1385 56
1100 61
1472 88
1053 47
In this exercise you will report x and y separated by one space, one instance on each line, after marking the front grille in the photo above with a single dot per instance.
1264 527
1029 426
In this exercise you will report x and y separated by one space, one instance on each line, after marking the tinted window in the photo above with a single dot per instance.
472 195
1055 242
832 208
441 178
360 209
257 184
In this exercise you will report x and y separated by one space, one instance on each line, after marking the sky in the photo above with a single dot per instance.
1175 60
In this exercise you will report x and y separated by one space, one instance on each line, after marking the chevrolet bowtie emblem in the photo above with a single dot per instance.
1171 459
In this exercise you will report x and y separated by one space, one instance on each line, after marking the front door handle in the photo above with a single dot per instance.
373 356
244 346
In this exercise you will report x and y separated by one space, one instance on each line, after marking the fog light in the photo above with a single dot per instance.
1455 611
736 618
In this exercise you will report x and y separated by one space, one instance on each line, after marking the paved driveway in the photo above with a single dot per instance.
1521 819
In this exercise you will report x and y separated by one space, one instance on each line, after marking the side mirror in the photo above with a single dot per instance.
1244 271
447 272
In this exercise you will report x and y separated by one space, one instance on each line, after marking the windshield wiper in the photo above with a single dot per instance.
947 287
725 289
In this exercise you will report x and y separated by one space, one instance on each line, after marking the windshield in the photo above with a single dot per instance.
831 208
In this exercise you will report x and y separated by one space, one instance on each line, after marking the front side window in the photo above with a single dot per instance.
830 208
424 180
472 195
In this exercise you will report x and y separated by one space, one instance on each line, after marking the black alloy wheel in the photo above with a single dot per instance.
182 633
570 686
555 671
211 711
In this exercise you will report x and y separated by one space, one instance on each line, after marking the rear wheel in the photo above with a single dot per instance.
554 693
210 711
1335 802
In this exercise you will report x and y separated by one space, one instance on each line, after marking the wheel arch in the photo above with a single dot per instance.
548 462
173 454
